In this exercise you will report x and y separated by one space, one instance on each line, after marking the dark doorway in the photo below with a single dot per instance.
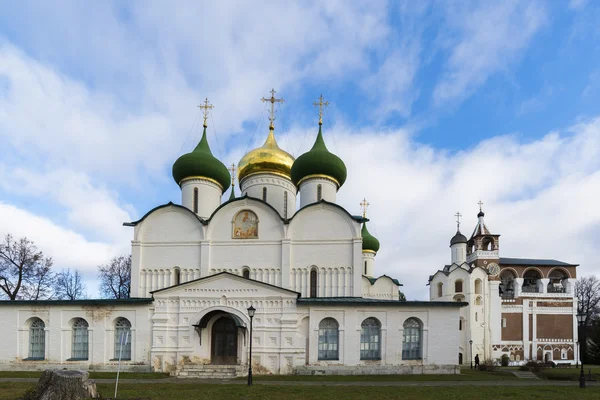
460 360
224 342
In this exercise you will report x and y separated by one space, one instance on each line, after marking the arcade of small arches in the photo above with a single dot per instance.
79 344
533 280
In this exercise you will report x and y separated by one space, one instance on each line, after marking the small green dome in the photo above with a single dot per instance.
369 242
201 162
319 161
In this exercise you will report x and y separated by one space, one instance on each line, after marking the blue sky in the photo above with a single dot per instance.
434 106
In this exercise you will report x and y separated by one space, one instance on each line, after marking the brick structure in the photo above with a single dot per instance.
524 308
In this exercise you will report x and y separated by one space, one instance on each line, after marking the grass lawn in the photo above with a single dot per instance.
570 374
156 391
465 375
93 375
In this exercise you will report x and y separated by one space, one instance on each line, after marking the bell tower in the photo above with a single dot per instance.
483 248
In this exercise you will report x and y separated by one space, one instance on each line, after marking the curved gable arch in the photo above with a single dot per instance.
323 221
563 270
270 224
539 271
170 223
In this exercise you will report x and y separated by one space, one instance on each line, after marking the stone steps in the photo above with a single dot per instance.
525 375
200 371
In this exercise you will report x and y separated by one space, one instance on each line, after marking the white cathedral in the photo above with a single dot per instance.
306 265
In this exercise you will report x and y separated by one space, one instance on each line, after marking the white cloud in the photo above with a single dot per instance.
577 4
67 247
485 41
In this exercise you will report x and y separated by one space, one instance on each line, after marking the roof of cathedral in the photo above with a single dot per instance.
268 158
458 238
318 161
364 301
83 302
201 163
203 221
372 280
229 274
369 242
534 261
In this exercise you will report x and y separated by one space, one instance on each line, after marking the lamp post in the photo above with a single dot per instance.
251 311
581 320
577 356
471 344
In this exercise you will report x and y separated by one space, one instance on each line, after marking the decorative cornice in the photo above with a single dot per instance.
201 178
319 176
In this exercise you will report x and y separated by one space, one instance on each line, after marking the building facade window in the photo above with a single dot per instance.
328 339
196 200
504 322
319 192
478 286
285 201
123 338
440 288
460 324
176 276
365 268
264 194
313 283
79 349
458 286
37 339
246 273
370 339
478 301
412 340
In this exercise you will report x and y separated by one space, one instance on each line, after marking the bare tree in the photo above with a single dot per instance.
69 285
587 290
115 278
24 271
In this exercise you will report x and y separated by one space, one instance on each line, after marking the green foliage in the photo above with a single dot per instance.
488 365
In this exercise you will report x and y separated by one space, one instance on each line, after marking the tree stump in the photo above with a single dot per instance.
65 385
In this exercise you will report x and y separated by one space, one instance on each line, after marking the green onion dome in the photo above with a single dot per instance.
369 242
200 163
319 162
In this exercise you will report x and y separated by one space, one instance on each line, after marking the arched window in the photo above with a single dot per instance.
176 276
460 324
79 350
478 286
440 287
530 281
246 272
313 283
476 317
412 339
264 194
458 286
487 244
37 340
328 339
478 301
123 338
196 200
319 192
370 339
365 267
285 205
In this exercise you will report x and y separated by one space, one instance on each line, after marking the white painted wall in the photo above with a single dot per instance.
309 191
276 186
209 196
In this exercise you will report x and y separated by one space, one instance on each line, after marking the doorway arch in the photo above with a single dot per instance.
224 343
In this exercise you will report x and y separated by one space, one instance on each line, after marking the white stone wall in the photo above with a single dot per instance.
310 187
276 186
58 319
209 196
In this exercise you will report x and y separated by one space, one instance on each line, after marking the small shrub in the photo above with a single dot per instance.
523 368
504 360
487 365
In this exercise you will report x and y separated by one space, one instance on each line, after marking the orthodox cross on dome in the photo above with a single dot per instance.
272 100
458 215
480 205
206 107
320 104
364 204
232 169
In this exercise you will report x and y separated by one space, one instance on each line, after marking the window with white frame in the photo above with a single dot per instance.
79 349
123 339
370 339
412 339
328 339
37 339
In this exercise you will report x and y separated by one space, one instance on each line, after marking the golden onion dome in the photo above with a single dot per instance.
268 158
